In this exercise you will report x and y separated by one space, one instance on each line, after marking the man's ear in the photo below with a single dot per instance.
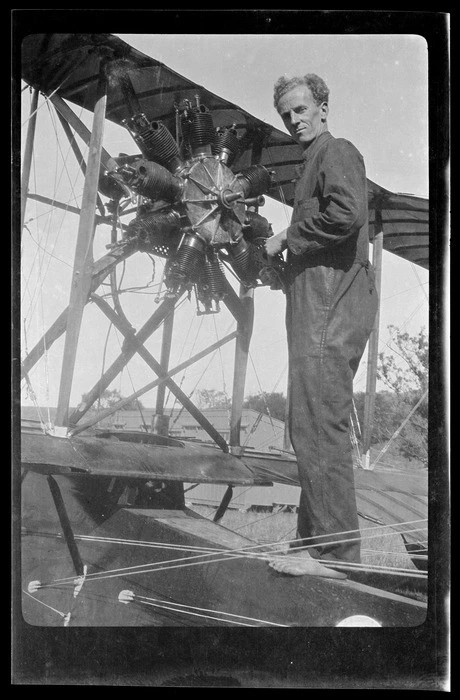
324 111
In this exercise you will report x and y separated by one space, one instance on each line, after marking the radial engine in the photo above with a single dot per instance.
192 208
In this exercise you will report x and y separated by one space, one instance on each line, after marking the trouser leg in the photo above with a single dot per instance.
321 401
321 394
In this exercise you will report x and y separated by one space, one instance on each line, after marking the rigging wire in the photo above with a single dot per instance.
404 291
224 389
398 430
50 215
30 390
132 385
227 555
242 552
181 608
48 97
45 604
180 356
104 353
199 378
421 285
184 345
44 249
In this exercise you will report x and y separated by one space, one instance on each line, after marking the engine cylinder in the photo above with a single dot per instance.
155 141
198 130
160 146
184 265
241 259
226 145
152 180
148 226
255 180
213 278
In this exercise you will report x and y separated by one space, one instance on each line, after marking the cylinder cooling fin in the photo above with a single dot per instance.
211 284
152 180
155 141
155 229
198 130
226 145
255 181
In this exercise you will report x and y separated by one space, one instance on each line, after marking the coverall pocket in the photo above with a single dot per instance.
309 206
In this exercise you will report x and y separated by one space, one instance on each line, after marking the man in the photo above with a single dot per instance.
331 303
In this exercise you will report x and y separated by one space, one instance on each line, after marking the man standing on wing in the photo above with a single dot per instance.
331 303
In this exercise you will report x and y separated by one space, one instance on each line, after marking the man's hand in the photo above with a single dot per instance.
276 244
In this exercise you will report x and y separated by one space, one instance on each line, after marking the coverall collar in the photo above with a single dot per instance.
313 147
312 150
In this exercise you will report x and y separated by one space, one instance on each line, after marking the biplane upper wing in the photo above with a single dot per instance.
70 64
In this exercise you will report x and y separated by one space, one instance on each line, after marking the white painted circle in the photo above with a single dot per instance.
358 621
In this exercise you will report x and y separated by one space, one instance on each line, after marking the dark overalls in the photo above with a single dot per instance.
331 305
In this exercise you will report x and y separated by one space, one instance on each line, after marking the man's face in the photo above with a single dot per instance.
303 118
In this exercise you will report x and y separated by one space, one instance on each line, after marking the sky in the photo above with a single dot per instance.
378 100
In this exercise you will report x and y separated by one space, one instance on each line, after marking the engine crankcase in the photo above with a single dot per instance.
210 200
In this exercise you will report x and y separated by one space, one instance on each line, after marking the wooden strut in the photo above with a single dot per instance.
245 321
78 155
85 134
101 269
240 363
82 271
71 209
231 300
152 385
138 346
128 351
66 526
220 512
371 381
164 360
28 155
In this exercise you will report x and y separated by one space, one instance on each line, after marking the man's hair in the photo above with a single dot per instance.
318 87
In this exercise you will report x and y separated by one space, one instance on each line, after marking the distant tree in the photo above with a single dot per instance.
110 397
403 367
273 404
212 398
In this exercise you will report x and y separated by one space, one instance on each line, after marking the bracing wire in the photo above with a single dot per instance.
232 618
218 615
49 214
405 291
70 72
44 249
220 356
183 375
222 555
200 377
398 430
421 285
104 354
51 211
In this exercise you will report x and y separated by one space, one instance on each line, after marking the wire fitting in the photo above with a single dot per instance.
126 597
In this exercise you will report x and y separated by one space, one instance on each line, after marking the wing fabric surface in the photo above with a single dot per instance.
69 64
